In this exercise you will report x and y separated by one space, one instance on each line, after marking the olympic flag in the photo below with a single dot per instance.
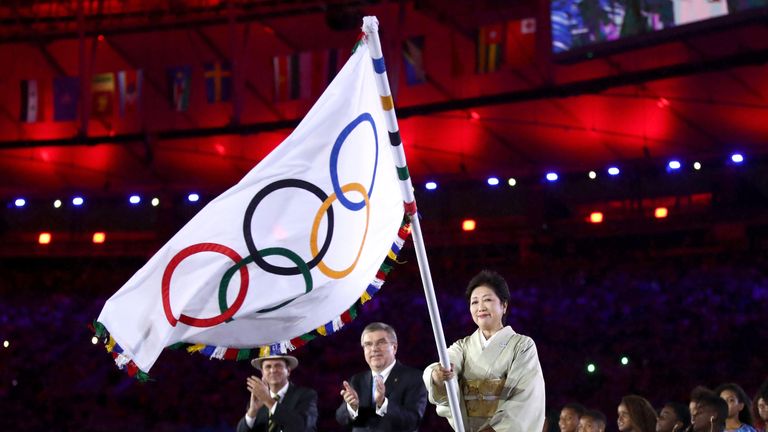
284 255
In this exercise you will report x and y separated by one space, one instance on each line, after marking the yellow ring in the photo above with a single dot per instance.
331 273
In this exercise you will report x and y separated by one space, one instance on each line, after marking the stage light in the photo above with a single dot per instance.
6 344
78 201
468 225
512 181
100 38
624 360
57 203
596 217
697 166
660 212
99 237
552 176
737 158
134 199
44 238
431 185
474 115
493 181
591 368
20 202
674 164
94 340
193 197
613 171
592 175
155 202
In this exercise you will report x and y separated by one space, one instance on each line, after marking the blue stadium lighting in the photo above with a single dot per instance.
493 181
20 202
613 171
674 165
552 176
78 201
737 158
134 199
431 185
193 197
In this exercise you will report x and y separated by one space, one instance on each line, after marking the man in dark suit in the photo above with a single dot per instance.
388 397
276 404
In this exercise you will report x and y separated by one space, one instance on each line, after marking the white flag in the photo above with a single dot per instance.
284 253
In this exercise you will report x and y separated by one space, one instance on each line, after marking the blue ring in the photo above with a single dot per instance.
354 206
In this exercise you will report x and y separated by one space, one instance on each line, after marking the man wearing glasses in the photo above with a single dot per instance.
388 397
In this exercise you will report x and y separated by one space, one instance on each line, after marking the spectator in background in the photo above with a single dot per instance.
636 415
592 421
711 412
569 417
760 408
739 408
697 394
673 417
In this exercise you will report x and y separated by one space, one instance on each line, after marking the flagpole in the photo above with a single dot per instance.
371 30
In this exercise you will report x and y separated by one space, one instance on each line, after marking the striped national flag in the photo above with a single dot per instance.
489 48
30 97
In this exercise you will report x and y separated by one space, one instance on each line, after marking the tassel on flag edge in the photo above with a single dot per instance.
283 347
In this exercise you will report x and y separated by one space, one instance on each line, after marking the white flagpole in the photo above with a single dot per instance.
371 30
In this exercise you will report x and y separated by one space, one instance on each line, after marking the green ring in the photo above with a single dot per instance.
302 266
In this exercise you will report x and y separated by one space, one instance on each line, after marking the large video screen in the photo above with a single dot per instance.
583 23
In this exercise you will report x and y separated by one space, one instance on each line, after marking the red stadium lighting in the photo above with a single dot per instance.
101 38
99 237
660 212
44 238
468 225
595 217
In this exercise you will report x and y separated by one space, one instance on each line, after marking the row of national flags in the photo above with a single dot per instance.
298 76
110 90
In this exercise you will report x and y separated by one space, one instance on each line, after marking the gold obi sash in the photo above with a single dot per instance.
481 397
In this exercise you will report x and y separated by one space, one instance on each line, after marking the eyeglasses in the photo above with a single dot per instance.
381 343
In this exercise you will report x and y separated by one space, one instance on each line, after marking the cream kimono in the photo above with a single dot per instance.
500 386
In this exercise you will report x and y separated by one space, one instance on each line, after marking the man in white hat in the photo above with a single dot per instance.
276 404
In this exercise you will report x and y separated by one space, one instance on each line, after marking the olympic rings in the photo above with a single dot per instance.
257 256
226 314
224 285
335 160
338 274
248 235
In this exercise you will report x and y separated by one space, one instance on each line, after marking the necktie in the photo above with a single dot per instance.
272 426
373 389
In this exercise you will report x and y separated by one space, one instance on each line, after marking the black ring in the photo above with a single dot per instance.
248 235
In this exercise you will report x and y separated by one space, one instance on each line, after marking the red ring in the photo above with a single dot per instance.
202 322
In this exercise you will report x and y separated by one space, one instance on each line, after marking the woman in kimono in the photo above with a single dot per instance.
501 387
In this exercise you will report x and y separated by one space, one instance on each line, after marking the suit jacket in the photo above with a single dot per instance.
406 402
296 412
